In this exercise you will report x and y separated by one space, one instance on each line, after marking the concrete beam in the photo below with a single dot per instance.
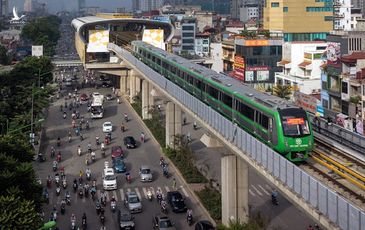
123 84
234 189
145 100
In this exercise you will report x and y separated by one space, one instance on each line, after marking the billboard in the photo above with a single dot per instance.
98 41
333 54
307 102
249 76
239 67
263 75
37 51
154 37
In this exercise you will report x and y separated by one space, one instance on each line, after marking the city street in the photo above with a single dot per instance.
147 153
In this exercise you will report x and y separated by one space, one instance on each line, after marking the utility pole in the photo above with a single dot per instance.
31 119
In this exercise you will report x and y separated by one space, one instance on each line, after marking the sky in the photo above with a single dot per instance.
70 5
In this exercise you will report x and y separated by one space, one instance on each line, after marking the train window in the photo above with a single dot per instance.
191 80
185 76
153 58
213 92
227 100
173 69
294 122
148 55
203 86
165 65
198 84
158 61
247 111
264 121
144 53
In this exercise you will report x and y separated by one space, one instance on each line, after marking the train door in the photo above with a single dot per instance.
270 130
257 120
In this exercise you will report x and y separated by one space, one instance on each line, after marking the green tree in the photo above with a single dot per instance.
283 91
4 58
18 213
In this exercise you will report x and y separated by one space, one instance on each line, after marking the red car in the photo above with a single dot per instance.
117 151
84 97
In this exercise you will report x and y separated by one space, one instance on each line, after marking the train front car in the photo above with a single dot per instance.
297 136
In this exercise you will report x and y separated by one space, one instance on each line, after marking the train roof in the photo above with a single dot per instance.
226 81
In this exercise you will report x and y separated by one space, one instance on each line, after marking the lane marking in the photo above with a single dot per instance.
167 188
264 190
115 195
145 192
121 194
257 191
138 193
184 191
252 193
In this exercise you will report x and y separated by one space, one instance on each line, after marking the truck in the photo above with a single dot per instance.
97 109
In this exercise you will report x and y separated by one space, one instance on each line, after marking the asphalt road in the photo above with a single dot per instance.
147 153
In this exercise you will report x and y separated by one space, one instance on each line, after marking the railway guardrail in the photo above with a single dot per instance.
326 201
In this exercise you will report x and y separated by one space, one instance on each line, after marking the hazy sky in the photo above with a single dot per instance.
58 5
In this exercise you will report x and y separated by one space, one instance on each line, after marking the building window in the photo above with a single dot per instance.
188 41
328 18
319 9
188 34
285 9
274 4
325 103
188 28
205 49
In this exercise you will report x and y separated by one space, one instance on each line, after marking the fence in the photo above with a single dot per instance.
326 201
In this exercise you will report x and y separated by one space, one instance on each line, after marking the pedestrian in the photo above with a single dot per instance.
174 184
184 121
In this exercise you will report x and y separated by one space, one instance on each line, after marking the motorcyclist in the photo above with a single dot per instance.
142 137
189 214
58 141
162 161
274 196
68 197
58 156
163 206
102 147
93 155
87 125
128 177
79 150
53 151
126 117
97 139
89 147
64 115
73 219
55 165
84 219
88 173
122 127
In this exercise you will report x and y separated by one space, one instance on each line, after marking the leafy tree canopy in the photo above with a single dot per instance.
283 91
4 58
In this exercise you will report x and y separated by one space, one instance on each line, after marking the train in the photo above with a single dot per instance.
274 121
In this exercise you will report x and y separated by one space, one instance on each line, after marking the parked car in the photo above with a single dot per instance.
204 225
130 142
125 220
107 127
119 165
176 201
132 202
105 84
117 151
145 173
162 222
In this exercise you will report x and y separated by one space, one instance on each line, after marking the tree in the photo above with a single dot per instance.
4 58
283 91
18 213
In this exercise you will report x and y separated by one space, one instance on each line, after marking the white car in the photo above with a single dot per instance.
107 127
109 179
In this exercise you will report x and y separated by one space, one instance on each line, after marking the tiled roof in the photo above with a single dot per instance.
304 64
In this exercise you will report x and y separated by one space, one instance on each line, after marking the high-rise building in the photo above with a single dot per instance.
81 5
188 32
359 4
146 5
5 7
1 8
342 15
300 20
235 8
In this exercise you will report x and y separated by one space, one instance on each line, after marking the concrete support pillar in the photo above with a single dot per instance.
138 85
145 100
132 86
234 189
123 83
173 123
151 99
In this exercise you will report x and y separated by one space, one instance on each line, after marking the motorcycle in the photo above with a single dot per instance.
58 191
79 151
58 142
63 208
88 176
93 192
84 224
128 178
64 115
57 179
166 173
54 166
93 157
81 137
81 193
86 192
41 158
163 208
113 206
159 198
98 208
73 224
189 219
102 219
103 152
274 200
58 158
68 199
149 195
64 183
49 182
87 126
75 186
97 139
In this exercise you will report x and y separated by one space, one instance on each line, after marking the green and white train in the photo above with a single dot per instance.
274 121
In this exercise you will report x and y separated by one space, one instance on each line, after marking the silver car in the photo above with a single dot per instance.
132 202
145 173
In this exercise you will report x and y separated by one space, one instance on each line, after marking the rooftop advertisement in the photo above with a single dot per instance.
154 37
98 41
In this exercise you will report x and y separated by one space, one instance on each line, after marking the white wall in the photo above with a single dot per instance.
216 53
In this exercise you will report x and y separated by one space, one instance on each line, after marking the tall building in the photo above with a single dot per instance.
248 12
81 5
299 20
188 32
342 15
359 4
235 8
146 5
135 5
5 7
1 8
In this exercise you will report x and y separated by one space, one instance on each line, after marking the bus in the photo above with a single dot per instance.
97 108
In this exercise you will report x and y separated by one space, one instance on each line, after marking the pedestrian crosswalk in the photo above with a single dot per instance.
119 193
260 190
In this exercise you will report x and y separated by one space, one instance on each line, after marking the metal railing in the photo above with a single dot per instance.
327 202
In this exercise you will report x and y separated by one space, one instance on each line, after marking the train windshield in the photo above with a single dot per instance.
294 122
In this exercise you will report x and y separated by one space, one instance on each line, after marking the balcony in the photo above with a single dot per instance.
338 15
337 3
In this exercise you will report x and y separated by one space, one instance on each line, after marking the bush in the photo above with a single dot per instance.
211 200
256 222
